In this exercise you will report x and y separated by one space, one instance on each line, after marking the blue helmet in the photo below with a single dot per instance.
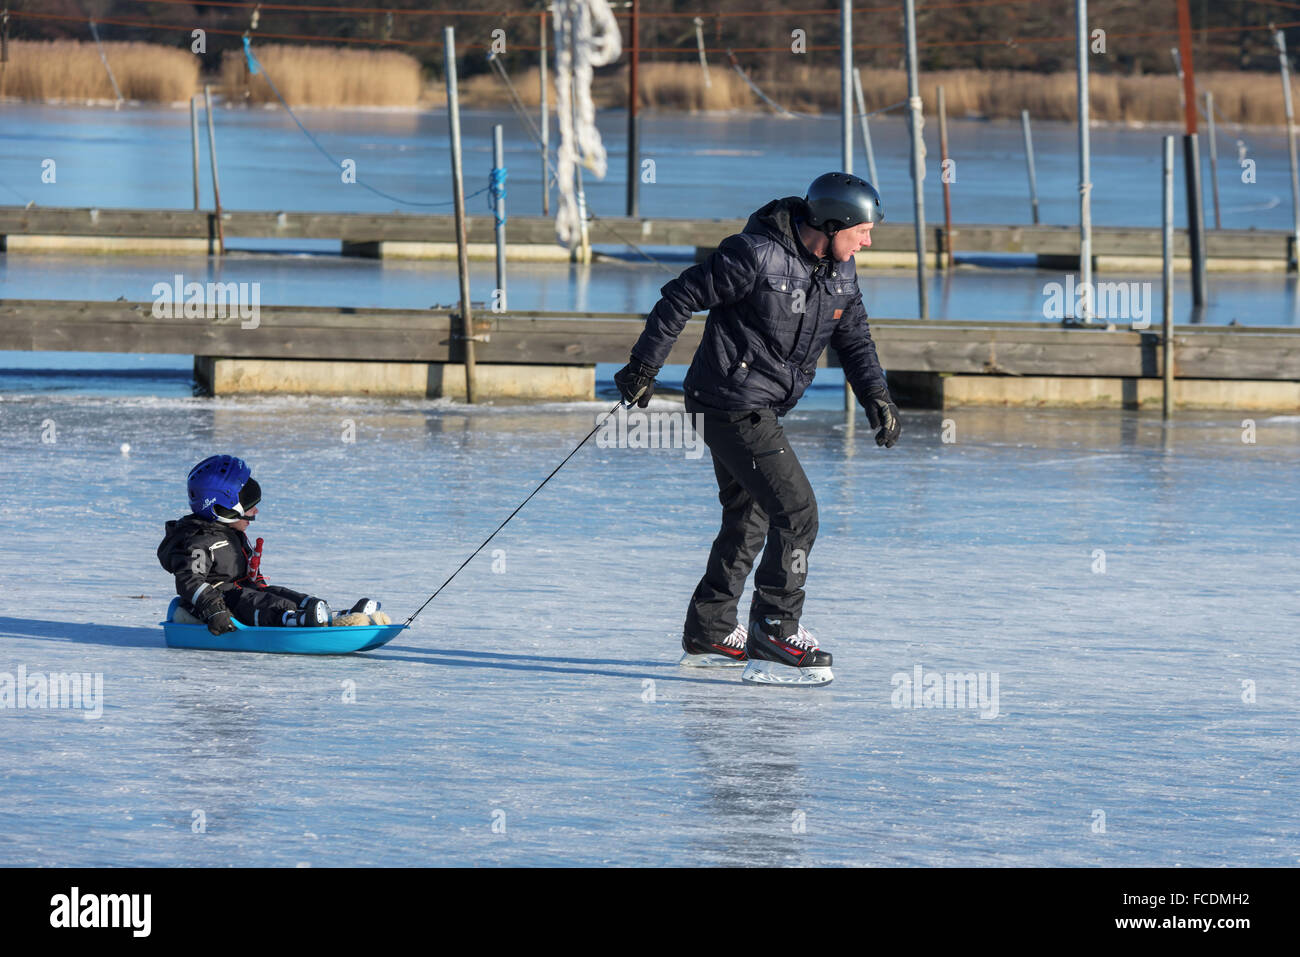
222 489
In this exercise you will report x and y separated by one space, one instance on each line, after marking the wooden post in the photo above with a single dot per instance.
947 198
1167 247
633 146
1214 156
546 124
194 144
216 182
866 128
1029 162
918 165
1085 158
458 196
846 85
1192 159
1290 142
499 211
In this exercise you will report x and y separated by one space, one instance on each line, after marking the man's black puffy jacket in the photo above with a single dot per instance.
207 558
759 350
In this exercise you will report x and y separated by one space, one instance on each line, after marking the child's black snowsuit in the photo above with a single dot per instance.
211 564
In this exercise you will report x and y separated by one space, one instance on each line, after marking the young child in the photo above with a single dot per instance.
217 573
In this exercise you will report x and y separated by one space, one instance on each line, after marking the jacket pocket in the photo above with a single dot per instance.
739 370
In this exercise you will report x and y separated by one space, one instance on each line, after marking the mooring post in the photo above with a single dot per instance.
458 197
1029 162
633 131
1290 143
1214 156
216 182
944 175
546 122
1085 158
918 164
1167 247
1192 158
499 214
194 143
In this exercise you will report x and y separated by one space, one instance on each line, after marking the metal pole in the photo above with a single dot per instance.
546 125
866 128
1214 157
1191 157
918 161
1085 160
1290 142
1029 162
499 208
458 195
633 144
846 85
1167 247
947 198
216 181
194 144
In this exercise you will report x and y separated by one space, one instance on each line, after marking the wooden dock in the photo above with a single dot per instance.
934 362
403 234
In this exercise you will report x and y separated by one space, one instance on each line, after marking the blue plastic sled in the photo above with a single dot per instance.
279 641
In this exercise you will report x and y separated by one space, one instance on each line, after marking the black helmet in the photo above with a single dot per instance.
840 200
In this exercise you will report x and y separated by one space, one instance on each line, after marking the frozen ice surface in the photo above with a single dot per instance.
540 692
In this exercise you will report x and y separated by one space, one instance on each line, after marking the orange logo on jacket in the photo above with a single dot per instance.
838 313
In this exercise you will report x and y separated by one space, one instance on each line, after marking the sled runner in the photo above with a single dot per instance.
181 633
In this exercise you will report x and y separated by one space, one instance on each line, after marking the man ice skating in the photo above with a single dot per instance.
777 294
217 570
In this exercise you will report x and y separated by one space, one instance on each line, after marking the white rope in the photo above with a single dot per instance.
586 37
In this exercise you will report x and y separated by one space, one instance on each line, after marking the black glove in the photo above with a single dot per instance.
220 622
883 416
217 615
636 382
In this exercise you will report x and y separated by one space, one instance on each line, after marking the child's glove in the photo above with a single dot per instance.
220 622
215 612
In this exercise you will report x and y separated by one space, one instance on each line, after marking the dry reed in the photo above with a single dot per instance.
324 76
71 70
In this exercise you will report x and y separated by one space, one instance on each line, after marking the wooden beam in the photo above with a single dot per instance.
539 230
318 332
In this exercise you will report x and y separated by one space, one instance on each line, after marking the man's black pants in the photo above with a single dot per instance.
765 497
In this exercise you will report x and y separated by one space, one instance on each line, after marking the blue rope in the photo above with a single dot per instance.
497 192
254 67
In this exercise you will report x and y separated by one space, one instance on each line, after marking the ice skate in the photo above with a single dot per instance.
364 606
315 613
364 612
794 660
727 653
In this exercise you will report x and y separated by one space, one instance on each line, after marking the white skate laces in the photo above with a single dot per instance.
737 639
803 639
